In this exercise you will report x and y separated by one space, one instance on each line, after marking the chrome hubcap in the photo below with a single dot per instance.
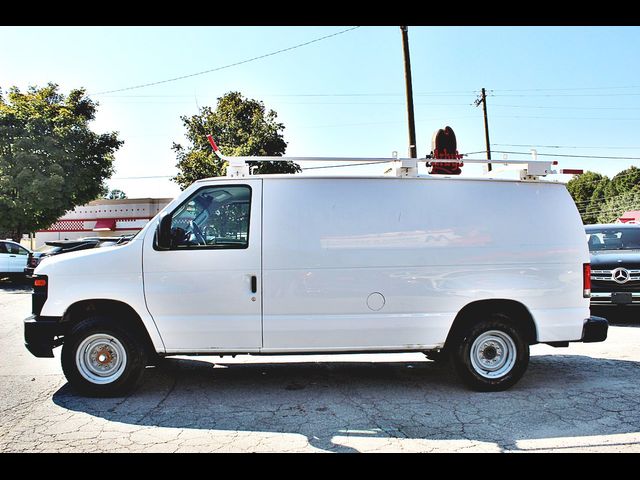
101 358
493 354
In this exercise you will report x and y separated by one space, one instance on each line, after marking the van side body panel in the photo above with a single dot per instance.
385 263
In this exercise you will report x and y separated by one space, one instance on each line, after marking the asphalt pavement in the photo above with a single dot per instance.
582 398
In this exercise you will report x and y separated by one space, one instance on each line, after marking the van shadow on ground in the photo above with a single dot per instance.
559 396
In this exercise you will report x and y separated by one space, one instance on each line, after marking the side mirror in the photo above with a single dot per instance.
163 232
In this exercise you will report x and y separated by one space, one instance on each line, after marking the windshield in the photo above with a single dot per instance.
613 239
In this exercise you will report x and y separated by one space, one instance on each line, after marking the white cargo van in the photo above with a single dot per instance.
476 270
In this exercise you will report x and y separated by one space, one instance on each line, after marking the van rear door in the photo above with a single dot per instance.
204 293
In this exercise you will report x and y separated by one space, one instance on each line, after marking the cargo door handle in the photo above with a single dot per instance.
254 284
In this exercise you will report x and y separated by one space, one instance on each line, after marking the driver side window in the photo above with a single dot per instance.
213 217
14 249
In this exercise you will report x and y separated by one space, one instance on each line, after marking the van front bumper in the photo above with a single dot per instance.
594 329
42 334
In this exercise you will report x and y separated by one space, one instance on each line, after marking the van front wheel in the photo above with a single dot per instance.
492 355
100 358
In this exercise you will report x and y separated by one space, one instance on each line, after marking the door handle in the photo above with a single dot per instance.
13 256
254 284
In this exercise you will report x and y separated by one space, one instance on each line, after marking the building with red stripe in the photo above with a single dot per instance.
630 216
103 218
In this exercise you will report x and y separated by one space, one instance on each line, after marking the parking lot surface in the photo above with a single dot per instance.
582 398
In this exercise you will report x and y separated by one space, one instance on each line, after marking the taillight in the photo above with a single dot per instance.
586 280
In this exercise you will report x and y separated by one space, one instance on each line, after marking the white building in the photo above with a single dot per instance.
103 218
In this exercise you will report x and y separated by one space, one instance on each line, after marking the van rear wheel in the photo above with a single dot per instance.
100 358
492 355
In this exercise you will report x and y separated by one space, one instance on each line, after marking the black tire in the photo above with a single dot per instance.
129 371
468 364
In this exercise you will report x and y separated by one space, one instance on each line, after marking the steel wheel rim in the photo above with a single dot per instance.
493 354
101 358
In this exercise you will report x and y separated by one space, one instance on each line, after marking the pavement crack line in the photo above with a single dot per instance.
152 411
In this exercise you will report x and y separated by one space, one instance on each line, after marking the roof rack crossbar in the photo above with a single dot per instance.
402 167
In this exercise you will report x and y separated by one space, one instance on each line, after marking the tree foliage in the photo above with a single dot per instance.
240 127
603 200
587 191
50 160
621 194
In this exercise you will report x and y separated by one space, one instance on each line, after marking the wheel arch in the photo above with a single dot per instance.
121 313
516 311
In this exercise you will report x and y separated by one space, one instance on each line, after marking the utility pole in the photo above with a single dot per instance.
483 100
407 78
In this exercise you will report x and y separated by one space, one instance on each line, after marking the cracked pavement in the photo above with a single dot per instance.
579 399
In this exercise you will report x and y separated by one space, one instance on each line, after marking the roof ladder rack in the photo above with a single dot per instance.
400 167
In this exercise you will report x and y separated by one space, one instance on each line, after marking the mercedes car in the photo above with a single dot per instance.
615 264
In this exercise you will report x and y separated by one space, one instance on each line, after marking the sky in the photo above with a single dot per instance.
561 90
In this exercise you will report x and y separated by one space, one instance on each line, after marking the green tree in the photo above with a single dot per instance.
621 194
597 202
240 127
587 190
116 194
623 182
50 160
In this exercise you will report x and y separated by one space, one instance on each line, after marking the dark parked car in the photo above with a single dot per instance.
615 264
64 246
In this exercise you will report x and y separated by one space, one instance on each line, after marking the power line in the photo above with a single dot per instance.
571 156
564 107
634 119
164 102
567 95
564 89
390 122
182 77
581 202
459 93
614 209
432 93
373 94
610 208
586 203
559 146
